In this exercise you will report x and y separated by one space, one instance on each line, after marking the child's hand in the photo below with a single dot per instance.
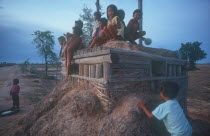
140 104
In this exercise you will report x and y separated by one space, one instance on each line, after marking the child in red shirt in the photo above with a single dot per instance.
14 92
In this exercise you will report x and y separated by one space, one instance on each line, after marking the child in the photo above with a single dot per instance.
14 92
73 42
170 111
121 14
101 38
79 24
62 42
115 28
97 16
133 27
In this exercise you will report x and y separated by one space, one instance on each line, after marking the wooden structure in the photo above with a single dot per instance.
115 69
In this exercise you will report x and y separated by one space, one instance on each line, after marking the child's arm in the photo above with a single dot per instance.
148 113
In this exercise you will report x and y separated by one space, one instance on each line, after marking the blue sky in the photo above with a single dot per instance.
167 22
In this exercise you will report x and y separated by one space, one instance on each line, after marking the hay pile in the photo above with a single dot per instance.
129 46
72 110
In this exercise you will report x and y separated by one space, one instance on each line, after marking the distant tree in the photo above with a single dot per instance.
24 65
44 42
192 53
87 18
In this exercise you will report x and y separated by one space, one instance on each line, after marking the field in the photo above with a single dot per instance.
34 88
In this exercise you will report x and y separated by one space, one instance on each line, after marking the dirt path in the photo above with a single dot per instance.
32 90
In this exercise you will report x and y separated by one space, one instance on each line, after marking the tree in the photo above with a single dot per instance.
44 42
87 18
192 53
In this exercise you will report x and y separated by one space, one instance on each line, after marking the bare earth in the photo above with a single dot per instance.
33 89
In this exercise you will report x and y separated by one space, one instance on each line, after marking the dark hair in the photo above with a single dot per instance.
114 9
79 23
137 11
77 30
15 81
170 89
98 14
121 14
62 38
103 21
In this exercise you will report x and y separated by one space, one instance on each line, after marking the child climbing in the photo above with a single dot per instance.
133 27
62 42
115 28
14 92
73 42
170 111
101 38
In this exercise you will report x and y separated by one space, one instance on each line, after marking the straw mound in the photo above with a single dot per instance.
129 46
76 110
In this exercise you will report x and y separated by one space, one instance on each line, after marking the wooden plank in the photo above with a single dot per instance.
99 71
94 60
129 66
86 70
169 70
130 73
173 70
147 55
92 71
81 69
179 70
91 53
106 71
114 80
101 80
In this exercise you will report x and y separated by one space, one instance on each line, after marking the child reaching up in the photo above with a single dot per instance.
14 92
170 111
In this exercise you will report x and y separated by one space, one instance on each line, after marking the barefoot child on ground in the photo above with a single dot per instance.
170 111
14 92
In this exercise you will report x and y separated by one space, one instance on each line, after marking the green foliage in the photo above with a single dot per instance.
87 18
24 66
44 42
192 53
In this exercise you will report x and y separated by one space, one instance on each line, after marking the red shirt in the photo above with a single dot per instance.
15 90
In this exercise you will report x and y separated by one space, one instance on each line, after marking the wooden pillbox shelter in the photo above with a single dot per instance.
115 69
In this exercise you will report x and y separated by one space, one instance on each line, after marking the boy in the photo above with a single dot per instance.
14 92
133 27
170 111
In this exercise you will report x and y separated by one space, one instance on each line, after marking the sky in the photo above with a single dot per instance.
167 22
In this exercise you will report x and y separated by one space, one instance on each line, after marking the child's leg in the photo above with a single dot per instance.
13 100
69 57
112 31
107 33
17 101
65 55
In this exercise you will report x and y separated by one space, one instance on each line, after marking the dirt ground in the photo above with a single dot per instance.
33 89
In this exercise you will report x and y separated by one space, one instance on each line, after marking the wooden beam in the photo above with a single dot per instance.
94 60
99 71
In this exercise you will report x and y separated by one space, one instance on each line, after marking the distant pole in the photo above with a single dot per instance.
141 18
97 5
